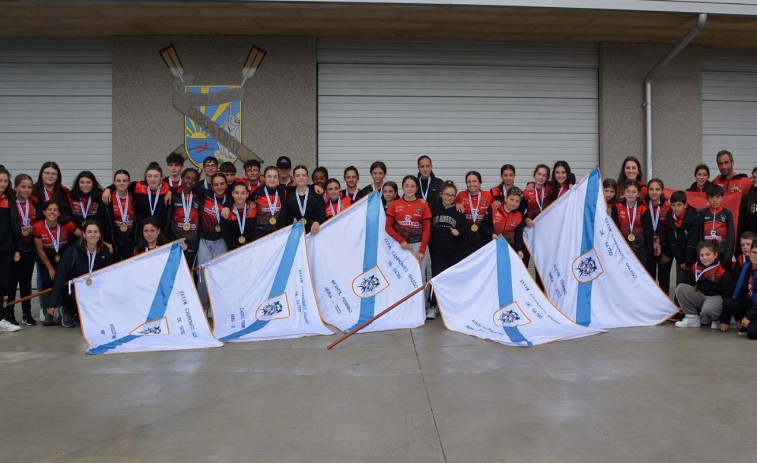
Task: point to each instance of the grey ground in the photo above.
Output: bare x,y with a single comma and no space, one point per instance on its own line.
655,394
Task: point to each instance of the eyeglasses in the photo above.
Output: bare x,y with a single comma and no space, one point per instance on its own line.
448,195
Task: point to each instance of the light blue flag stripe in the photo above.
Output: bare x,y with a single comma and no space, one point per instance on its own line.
505,288
583,302
159,302
370,254
279,281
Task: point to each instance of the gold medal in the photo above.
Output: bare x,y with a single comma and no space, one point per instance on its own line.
272,221
303,221
474,228
89,281
124,228
186,226
631,237
24,232
57,258
218,229
241,240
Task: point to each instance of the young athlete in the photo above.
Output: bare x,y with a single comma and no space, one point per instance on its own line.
239,226
9,246
120,217
506,220
319,176
51,238
536,197
659,261
284,166
499,192
744,295
229,170
174,163
150,236
630,171
49,187
185,213
716,224
702,303
89,255
209,169
85,202
150,196
211,237
429,186
682,228
252,175
389,193
23,268
474,203
269,200
378,172
562,180
303,204
351,177
634,224
335,203
701,178
610,190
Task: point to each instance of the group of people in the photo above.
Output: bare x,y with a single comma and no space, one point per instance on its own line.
71,232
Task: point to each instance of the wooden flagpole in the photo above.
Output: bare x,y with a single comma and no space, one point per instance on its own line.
377,316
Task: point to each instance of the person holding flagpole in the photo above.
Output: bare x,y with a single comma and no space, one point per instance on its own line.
239,226
303,204
89,255
474,203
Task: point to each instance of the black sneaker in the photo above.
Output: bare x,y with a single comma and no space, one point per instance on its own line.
28,320
12,320
742,331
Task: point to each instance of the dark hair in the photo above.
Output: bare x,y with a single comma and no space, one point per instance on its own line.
750,198
236,184
506,167
251,163
20,178
379,165
542,166
515,191
298,167
269,168
748,235
86,224
175,158
210,159
153,166
410,177
662,187
701,167
554,189
228,167
713,190
151,220
190,169
9,191
122,171
611,183
349,169
393,185
445,185
49,203
322,169
76,192
333,180
622,179
724,153
631,183
219,175
712,245
59,194
422,157
474,173
679,197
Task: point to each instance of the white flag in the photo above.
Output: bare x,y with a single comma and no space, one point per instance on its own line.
146,303
263,290
359,270
588,270
491,295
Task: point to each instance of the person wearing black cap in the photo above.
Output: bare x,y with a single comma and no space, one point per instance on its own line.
284,164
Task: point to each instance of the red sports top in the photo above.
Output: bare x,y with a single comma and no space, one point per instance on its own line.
409,221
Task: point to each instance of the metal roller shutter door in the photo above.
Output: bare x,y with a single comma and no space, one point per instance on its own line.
729,106
469,105
55,105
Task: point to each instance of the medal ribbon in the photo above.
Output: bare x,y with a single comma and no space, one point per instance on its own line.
474,211
124,211
215,208
698,275
23,213
91,260
84,211
338,207
271,207
424,194
150,202
655,216
302,205
243,220
186,206
56,240
631,221
540,202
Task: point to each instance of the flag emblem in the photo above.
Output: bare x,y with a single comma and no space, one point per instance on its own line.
587,267
369,283
510,316
275,308
152,328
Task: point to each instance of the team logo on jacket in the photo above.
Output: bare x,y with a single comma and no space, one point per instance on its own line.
275,308
369,283
587,266
510,316
152,328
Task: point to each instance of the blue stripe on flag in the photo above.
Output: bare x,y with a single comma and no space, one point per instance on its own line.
505,288
159,302
279,281
583,302
370,254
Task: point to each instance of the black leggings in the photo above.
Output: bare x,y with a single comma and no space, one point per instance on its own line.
21,278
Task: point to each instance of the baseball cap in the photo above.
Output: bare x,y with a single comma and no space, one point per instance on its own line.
284,163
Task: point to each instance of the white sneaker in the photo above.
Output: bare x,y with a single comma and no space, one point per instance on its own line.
715,325
7,326
689,321
430,313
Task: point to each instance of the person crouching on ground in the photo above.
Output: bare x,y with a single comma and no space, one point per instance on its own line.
702,303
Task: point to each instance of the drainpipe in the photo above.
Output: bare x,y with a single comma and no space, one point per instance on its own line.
648,84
